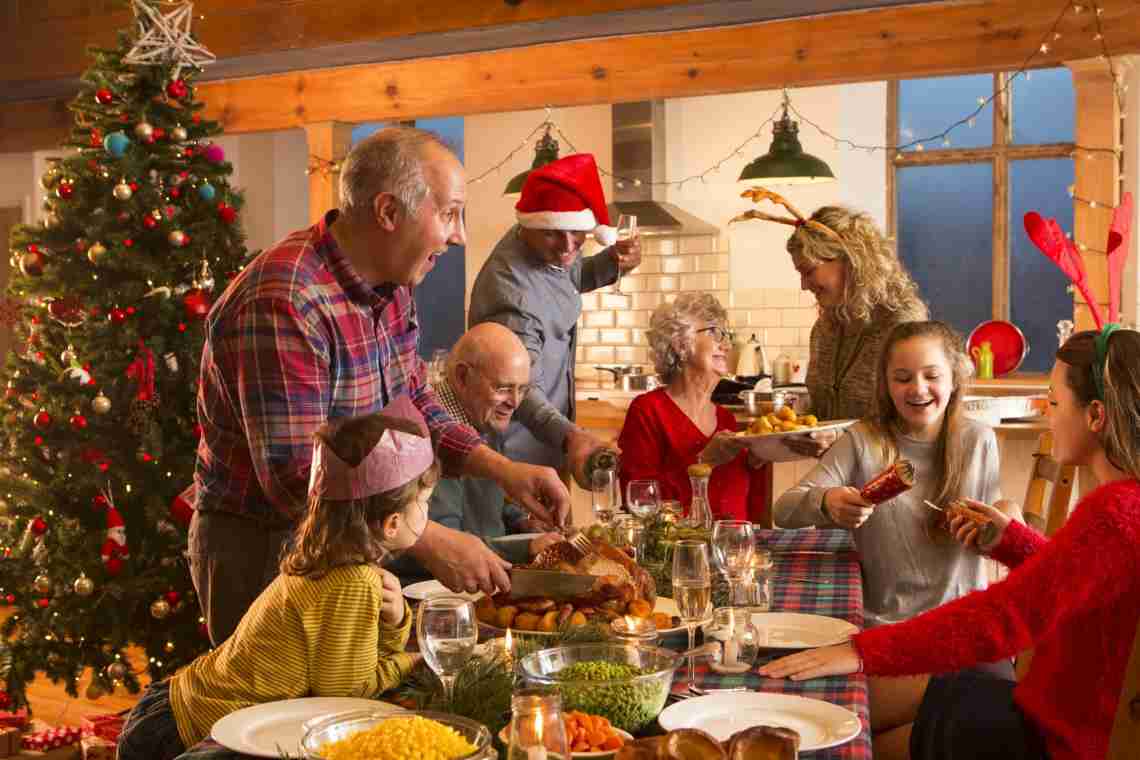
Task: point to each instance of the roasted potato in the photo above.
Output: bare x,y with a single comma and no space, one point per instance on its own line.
527,621
639,608
549,622
809,419
578,618
486,611
505,616
661,620
538,604
787,413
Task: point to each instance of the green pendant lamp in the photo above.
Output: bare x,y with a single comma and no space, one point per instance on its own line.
785,163
545,151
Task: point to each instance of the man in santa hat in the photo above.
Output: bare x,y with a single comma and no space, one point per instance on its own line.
532,283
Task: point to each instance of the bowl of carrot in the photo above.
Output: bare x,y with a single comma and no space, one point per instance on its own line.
590,736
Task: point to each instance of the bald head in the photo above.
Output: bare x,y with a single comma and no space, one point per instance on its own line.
489,370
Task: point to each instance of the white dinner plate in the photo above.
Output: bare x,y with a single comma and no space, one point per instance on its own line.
770,446
510,538
820,724
663,604
424,589
268,729
794,630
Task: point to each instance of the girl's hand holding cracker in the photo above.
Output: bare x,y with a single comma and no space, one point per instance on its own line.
392,608
969,531
846,508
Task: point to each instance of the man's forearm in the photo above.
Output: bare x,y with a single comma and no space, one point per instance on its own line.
428,539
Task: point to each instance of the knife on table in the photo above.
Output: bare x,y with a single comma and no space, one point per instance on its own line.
550,583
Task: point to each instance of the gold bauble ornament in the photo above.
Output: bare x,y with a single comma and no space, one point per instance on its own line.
101,404
96,252
42,584
178,134
159,609
123,191
84,586
168,647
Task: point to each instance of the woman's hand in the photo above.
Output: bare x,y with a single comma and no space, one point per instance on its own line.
846,507
838,660
722,448
812,445
392,607
968,533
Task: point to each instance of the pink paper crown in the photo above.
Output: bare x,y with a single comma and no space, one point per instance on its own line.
398,458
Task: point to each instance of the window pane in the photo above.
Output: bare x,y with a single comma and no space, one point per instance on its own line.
928,106
1043,106
1037,288
946,239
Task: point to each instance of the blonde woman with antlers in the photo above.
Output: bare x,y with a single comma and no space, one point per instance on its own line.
862,291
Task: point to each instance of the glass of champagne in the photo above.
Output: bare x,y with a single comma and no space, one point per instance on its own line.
537,730
605,490
643,497
626,230
447,633
692,588
733,546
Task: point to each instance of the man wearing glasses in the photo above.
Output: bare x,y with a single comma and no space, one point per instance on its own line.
486,377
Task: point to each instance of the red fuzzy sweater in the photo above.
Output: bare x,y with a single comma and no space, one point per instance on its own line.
1074,599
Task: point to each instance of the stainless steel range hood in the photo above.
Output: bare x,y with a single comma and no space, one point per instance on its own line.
639,154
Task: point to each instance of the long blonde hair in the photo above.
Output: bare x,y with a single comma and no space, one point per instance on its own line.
885,424
337,532
1121,435
875,278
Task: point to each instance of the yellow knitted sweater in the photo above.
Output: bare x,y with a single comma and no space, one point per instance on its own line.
302,637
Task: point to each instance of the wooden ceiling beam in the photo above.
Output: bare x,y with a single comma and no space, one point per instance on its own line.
894,43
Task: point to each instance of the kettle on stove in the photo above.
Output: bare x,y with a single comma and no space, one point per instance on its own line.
752,360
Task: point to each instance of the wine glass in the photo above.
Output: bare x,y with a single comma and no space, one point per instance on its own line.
447,633
537,729
605,490
733,545
626,230
643,497
692,588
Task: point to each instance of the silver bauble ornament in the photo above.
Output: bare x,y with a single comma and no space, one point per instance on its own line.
117,671
49,179
42,584
177,238
40,554
171,361
84,586
50,220
101,404
178,134
144,131
168,647
68,355
96,252
159,609
123,191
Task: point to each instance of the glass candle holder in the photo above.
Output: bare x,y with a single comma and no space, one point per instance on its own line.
537,730
634,630
740,639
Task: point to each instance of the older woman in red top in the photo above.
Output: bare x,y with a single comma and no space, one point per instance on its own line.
677,425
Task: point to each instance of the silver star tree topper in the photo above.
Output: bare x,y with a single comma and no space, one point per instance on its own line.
165,38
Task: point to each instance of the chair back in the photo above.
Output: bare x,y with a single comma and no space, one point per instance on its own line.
1046,471
1126,727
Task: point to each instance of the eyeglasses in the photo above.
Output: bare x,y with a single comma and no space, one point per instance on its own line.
504,391
718,333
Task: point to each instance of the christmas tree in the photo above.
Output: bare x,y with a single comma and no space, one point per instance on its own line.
106,306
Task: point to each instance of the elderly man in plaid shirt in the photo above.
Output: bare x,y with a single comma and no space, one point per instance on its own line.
323,325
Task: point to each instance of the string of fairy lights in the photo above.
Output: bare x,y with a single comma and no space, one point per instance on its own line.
548,125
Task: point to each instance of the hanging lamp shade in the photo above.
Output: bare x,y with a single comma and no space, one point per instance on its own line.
785,163
545,151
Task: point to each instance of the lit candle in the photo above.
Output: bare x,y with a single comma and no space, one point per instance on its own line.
634,629
509,650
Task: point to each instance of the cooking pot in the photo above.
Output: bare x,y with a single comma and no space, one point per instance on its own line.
760,403
630,377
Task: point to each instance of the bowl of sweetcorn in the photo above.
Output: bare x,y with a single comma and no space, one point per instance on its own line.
372,735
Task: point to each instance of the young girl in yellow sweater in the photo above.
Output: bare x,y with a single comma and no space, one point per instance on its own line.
333,623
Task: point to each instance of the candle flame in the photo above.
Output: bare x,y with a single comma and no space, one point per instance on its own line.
508,641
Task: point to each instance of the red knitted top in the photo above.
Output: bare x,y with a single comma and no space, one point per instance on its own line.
1074,599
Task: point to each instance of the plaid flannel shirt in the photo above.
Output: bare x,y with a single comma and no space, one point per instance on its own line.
296,339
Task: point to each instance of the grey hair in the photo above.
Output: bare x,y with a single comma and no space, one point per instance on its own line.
389,161
671,332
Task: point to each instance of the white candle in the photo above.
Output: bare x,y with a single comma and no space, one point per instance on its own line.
536,753
731,652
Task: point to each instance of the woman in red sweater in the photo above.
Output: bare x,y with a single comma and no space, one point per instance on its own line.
677,425
1074,599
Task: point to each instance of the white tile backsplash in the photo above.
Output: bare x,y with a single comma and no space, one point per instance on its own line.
799,317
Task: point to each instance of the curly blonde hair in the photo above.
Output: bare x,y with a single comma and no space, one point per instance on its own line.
876,279
671,332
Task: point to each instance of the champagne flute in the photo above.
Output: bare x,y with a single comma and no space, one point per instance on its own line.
643,498
604,488
447,634
537,729
733,546
692,588
626,230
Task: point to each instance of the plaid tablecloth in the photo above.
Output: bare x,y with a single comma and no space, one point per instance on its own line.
839,595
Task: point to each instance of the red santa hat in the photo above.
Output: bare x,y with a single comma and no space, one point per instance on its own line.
566,195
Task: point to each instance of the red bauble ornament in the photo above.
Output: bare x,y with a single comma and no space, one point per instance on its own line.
99,502
134,186
65,189
78,421
11,392
96,138
228,214
175,192
42,419
128,242
43,603
67,310
10,599
103,96
197,303
173,597
181,327
159,133
39,527
32,264
150,222
177,89
188,153
118,316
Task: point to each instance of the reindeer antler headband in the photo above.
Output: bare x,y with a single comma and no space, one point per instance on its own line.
757,194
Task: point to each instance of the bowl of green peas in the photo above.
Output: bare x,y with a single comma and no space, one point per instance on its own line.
626,683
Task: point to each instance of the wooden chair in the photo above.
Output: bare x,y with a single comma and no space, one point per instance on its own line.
1126,727
1046,470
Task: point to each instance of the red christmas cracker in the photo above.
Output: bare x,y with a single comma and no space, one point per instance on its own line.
52,738
14,718
889,483
97,748
105,726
